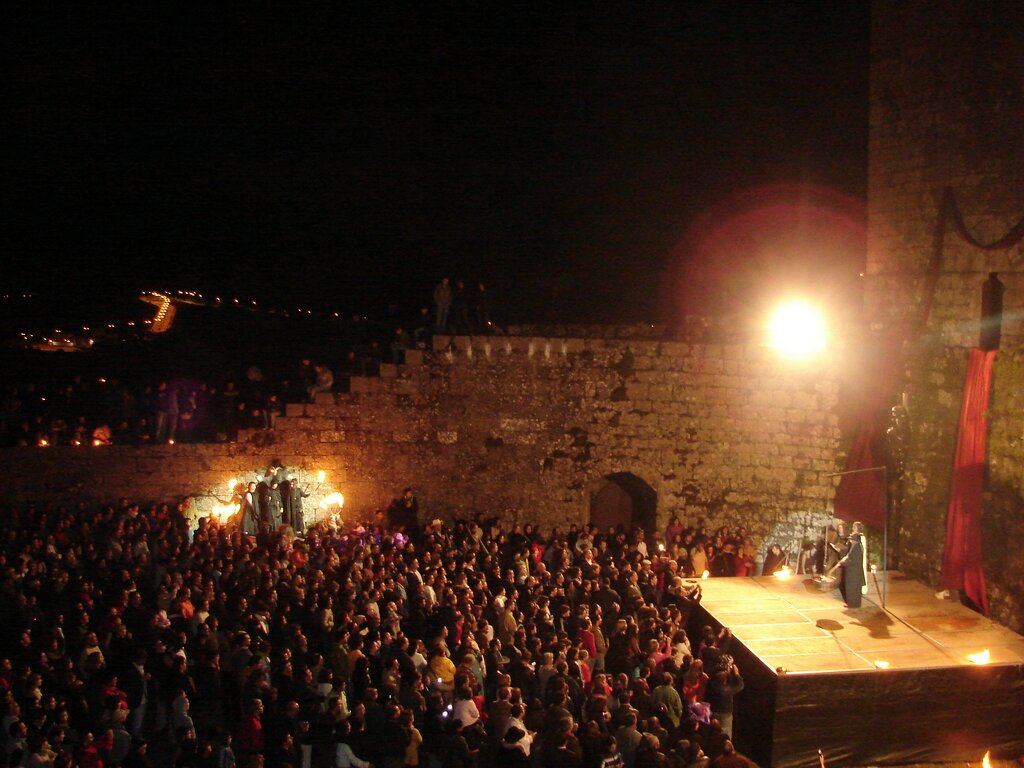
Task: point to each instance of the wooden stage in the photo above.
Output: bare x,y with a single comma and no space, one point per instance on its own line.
867,685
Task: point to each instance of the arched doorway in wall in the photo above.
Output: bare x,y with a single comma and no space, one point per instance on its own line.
623,498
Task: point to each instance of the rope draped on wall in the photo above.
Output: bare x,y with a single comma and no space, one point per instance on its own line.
951,217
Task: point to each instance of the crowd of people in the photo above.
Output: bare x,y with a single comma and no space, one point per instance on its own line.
97,412
136,636
101,411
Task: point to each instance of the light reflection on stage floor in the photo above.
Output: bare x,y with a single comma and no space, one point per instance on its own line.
794,625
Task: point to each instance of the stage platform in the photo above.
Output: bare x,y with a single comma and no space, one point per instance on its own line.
867,686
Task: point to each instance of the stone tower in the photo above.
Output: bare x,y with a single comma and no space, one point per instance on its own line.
946,209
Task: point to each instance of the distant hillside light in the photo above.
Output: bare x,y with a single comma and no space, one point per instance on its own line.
797,330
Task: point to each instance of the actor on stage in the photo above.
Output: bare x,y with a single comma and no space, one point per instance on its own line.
836,539
774,560
854,576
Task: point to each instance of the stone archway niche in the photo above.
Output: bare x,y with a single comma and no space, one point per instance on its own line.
624,499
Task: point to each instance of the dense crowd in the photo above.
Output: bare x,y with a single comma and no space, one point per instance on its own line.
133,637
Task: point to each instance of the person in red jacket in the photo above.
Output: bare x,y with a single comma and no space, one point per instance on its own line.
93,750
250,732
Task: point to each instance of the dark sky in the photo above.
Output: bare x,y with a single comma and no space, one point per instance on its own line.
575,158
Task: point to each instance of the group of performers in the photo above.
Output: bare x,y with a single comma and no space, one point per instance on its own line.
273,501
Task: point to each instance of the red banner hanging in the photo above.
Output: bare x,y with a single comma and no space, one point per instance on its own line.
961,559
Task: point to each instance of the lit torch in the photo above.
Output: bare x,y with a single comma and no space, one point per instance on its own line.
332,505
224,512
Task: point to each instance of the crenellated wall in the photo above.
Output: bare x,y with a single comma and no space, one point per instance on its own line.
526,428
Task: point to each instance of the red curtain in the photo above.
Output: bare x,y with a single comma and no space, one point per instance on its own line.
861,496
961,560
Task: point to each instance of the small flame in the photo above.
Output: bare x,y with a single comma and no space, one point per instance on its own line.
705,575
232,484
783,573
985,762
43,442
223,512
661,547
981,657
322,476
333,500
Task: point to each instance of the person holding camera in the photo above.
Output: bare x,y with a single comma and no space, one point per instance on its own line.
723,686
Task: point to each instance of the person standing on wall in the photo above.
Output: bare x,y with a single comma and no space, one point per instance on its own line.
853,577
443,303
250,510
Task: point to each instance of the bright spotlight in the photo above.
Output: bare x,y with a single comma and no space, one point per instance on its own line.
797,330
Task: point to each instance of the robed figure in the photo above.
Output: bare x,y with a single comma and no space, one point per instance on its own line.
403,512
275,506
292,495
250,510
853,577
774,560
836,541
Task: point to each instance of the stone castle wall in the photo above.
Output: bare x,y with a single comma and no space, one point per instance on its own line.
947,123
524,428
947,94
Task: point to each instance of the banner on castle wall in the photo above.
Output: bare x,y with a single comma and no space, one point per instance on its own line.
961,559
861,492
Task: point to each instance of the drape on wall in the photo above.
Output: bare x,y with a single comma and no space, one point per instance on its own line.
961,559
862,496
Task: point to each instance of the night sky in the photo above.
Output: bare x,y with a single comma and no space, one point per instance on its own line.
588,162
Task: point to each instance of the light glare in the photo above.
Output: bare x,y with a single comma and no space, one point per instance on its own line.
797,330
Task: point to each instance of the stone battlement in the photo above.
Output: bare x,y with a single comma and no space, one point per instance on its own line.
530,429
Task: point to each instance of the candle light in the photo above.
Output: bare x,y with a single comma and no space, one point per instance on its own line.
322,476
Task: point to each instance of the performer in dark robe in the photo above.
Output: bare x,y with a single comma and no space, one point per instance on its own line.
773,560
263,502
250,510
853,577
293,506
403,513
275,506
836,540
